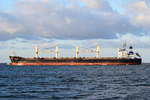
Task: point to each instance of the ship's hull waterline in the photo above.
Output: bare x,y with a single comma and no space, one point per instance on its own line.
20,61
70,64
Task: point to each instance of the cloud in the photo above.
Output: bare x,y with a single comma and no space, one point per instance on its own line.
139,14
141,41
101,4
9,27
66,19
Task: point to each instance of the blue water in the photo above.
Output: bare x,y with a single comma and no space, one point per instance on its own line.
75,82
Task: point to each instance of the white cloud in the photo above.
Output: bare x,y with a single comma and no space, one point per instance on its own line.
9,28
139,11
7,25
95,3
53,19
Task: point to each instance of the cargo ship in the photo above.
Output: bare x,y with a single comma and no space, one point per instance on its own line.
124,57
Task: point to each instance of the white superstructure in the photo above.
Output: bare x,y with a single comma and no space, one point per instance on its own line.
124,53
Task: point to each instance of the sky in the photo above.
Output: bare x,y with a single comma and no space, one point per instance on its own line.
25,24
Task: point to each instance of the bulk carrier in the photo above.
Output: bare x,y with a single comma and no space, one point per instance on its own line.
124,57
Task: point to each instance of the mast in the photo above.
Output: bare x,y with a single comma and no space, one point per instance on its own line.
36,52
13,53
124,45
56,52
97,51
77,52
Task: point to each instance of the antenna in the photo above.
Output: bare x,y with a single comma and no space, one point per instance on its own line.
77,51
97,51
124,45
56,52
13,53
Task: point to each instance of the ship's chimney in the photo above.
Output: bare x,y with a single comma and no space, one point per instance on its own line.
56,52
77,52
97,51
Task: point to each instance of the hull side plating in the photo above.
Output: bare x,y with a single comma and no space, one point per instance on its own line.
20,61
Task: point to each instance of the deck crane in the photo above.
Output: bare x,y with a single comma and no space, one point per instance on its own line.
97,51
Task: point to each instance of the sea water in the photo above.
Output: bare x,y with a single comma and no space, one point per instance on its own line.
75,82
